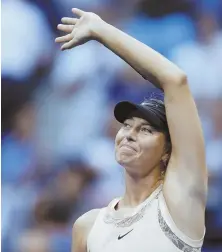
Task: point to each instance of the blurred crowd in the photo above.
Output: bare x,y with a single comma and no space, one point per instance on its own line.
58,128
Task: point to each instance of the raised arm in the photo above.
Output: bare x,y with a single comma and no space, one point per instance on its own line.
186,179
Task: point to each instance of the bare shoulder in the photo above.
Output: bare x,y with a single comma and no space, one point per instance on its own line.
87,220
81,229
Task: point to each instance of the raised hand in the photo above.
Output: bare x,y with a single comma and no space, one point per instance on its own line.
80,30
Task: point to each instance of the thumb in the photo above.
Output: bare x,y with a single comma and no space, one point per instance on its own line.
78,12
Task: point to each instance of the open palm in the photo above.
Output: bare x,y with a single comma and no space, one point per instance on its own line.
80,30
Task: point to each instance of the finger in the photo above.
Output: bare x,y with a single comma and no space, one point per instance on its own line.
63,39
78,12
70,44
65,28
69,21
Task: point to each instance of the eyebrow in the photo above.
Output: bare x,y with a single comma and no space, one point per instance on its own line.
142,123
145,124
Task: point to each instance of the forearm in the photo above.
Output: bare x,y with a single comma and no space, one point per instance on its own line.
146,61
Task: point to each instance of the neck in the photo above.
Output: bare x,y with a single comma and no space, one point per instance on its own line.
140,188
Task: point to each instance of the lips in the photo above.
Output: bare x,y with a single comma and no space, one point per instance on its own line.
130,147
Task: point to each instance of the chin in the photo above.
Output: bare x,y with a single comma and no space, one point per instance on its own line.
125,160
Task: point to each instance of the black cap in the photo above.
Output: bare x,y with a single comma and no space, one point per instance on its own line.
152,110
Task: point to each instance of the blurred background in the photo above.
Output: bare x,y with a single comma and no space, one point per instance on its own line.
58,127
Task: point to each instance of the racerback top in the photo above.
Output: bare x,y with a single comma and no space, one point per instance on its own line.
149,228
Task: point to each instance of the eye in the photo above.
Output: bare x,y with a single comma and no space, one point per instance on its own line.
146,130
126,125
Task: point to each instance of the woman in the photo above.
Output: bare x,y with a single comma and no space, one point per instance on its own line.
162,151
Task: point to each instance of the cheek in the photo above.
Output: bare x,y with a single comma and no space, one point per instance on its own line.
152,146
119,138
119,155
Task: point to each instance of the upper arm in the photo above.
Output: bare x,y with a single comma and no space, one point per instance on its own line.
185,182
81,229
78,238
188,150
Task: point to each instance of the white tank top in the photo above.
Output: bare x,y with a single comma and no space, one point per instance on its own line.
149,228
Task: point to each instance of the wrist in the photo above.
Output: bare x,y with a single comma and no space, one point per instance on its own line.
99,30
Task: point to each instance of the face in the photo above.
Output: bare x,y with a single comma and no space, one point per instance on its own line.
138,146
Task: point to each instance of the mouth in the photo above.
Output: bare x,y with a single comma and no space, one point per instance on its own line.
129,147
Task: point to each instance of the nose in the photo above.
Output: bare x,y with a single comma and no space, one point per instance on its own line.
131,135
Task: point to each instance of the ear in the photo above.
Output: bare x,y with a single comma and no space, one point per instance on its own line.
166,153
165,158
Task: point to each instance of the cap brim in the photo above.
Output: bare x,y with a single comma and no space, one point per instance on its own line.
125,109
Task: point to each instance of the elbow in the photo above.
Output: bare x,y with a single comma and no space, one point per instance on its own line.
182,79
179,79
168,80
174,80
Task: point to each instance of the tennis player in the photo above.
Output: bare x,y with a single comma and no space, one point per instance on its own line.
161,148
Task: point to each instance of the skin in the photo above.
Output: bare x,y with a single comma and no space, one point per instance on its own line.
186,177
139,149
